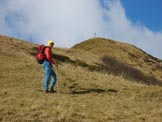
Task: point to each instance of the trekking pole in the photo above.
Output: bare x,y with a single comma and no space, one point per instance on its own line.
57,84
42,87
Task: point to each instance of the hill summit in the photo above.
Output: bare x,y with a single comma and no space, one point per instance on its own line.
118,54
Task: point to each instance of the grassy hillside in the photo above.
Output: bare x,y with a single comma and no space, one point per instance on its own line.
87,92
124,56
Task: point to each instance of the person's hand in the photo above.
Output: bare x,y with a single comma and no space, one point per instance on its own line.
56,65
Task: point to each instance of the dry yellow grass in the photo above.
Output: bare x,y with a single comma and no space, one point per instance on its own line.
125,53
84,96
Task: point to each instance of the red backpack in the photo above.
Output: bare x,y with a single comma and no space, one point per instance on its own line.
41,56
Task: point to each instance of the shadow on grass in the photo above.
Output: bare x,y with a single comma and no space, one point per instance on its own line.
87,91
111,66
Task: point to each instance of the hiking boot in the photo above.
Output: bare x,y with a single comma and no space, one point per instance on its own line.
52,91
46,91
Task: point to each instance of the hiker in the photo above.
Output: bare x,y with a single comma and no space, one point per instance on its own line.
49,72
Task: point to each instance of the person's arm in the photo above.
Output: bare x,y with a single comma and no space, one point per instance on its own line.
48,56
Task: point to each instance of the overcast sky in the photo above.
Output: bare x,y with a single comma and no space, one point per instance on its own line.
71,21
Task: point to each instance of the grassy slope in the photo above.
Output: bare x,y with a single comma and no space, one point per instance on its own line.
84,96
125,53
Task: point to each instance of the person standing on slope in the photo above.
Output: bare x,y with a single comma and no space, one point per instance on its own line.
49,72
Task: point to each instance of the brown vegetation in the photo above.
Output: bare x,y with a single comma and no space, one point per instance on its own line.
91,88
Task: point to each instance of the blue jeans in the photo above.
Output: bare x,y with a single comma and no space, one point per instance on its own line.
48,74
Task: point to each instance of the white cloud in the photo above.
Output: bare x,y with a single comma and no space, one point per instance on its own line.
66,21
124,30
71,21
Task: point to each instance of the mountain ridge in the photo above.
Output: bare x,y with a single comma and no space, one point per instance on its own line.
124,53
100,54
